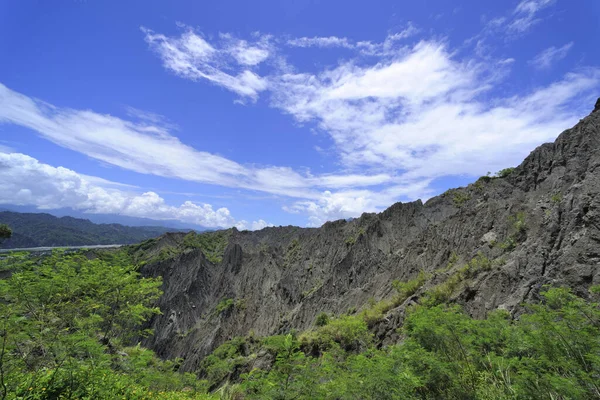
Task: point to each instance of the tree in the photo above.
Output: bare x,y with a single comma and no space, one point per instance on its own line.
5,232
63,318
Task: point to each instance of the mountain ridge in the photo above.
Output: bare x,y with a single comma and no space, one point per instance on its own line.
105,218
46,230
536,224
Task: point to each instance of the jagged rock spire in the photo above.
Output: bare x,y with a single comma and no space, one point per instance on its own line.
597,107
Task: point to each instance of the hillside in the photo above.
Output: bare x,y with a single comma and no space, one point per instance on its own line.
41,230
491,245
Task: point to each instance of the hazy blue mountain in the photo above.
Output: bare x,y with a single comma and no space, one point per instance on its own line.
40,230
106,218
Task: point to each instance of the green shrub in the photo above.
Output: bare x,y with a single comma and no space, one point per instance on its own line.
407,289
556,198
212,244
5,232
349,332
224,360
322,319
503,173
517,231
460,198
442,292
224,306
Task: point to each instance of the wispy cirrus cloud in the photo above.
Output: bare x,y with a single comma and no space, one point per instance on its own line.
321,41
549,56
526,15
519,20
150,148
191,56
363,47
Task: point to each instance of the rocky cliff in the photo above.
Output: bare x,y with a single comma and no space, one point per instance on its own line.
537,224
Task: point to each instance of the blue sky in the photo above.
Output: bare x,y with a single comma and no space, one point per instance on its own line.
249,114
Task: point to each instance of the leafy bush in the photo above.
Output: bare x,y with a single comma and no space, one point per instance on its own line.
66,322
224,360
503,173
322,319
407,289
550,352
224,306
212,244
349,332
556,198
442,292
518,231
460,198
5,232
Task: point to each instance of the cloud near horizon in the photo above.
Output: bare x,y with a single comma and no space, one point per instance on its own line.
400,113
26,181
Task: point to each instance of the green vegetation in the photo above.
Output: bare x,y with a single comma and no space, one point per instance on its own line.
352,239
322,319
226,305
407,289
460,198
224,361
517,233
556,198
292,254
550,352
212,244
318,285
442,292
5,232
69,327
66,330
503,173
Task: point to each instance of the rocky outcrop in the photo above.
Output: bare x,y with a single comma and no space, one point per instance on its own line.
540,224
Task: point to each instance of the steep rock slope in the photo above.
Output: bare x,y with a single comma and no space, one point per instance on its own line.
537,224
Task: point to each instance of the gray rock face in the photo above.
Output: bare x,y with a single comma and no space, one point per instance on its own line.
541,223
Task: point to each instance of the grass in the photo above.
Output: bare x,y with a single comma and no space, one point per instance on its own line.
212,244
556,198
352,239
442,292
460,198
292,253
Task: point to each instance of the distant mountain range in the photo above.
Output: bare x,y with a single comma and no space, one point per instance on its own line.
45,230
106,218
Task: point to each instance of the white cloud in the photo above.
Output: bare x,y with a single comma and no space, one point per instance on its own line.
191,56
423,116
422,74
26,181
387,47
151,149
254,226
525,14
352,203
330,41
245,53
549,56
399,117
514,24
